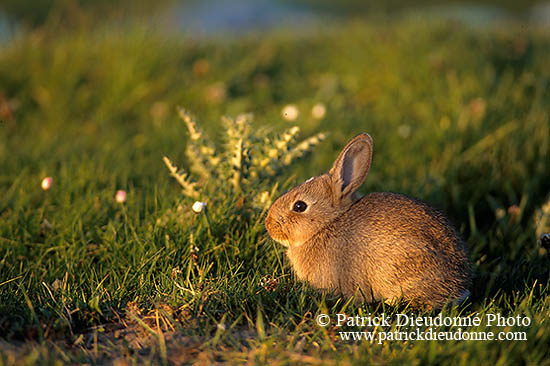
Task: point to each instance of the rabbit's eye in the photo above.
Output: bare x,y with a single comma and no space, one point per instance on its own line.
299,206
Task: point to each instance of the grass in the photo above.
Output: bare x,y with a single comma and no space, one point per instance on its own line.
460,118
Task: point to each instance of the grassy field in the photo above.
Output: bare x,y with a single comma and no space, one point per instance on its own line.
460,119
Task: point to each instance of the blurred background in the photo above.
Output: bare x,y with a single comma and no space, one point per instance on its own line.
101,76
238,16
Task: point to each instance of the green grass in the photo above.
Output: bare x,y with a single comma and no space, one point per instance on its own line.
459,119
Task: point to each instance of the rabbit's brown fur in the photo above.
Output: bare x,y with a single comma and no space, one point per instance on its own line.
382,247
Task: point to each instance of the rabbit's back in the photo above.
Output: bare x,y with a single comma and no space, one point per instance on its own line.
405,248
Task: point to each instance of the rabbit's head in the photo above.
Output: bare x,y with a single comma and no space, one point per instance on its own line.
303,211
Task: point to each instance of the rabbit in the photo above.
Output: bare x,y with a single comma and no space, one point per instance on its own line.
379,248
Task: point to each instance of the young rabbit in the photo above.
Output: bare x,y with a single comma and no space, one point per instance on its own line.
382,247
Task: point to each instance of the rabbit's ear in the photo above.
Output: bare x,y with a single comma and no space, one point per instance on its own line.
351,167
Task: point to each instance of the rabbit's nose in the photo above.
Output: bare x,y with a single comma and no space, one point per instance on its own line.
271,223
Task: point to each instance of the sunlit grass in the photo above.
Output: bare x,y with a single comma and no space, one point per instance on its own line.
459,119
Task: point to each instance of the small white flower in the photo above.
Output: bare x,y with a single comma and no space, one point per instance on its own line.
318,111
45,225
175,272
47,183
198,206
290,112
57,285
404,131
120,196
